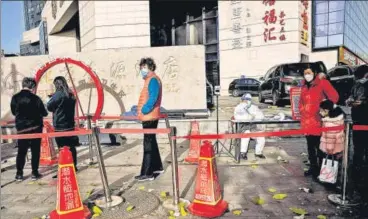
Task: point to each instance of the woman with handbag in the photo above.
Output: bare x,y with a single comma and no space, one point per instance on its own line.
332,142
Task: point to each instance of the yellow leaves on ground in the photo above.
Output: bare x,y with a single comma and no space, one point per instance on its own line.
272,190
254,166
299,211
130,208
237,212
96,210
279,196
163,194
258,200
141,187
321,217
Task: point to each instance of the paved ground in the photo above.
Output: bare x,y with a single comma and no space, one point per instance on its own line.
240,183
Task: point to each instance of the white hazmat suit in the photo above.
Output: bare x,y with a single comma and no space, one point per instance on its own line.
250,112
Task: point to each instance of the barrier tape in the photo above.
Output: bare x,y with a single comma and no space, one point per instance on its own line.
135,131
47,135
360,127
262,134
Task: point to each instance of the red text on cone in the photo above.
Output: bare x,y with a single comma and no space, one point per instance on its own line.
69,203
207,197
48,154
194,144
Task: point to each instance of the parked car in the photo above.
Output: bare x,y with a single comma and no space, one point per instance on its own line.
241,86
342,79
278,81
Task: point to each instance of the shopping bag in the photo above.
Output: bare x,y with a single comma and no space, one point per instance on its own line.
329,171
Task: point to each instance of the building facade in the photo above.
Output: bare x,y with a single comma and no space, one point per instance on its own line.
30,44
340,27
242,38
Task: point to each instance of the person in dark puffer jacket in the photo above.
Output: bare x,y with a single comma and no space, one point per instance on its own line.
29,111
62,105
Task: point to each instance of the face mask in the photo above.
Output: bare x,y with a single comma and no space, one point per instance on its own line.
144,72
248,104
308,77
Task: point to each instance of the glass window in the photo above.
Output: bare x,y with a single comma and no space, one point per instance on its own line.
321,7
321,19
339,72
277,72
321,30
335,28
334,17
336,5
335,40
320,42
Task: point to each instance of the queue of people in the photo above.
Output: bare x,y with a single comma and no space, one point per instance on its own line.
29,111
318,109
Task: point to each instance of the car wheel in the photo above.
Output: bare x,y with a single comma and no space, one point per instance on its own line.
275,98
236,93
260,97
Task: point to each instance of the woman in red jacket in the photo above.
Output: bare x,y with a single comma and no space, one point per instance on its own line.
314,90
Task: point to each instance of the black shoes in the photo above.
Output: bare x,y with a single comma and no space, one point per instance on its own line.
144,178
260,156
36,176
244,156
19,177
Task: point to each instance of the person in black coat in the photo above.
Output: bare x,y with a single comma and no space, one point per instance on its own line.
29,111
62,105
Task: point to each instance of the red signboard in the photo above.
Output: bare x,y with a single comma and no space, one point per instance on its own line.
294,100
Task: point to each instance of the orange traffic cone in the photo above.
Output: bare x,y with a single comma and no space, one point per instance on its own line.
48,155
194,144
69,203
207,197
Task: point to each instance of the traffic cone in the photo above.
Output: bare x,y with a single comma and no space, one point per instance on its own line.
208,200
69,203
48,154
194,144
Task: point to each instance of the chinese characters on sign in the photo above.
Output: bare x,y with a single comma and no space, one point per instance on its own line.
304,17
236,26
204,184
170,75
271,19
70,194
248,42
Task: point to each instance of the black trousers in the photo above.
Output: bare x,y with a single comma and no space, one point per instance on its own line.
71,142
360,163
151,154
315,155
34,145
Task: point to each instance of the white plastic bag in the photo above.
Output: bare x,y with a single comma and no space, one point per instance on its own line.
329,171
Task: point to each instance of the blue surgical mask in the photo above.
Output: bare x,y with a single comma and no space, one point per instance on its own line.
144,72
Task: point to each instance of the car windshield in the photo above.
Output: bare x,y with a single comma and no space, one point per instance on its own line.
297,69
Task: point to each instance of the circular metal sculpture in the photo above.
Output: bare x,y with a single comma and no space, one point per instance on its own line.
100,95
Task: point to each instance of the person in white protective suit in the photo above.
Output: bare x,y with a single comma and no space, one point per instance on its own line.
247,111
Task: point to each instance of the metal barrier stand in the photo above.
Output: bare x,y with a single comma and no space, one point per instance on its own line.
90,146
109,200
341,199
174,166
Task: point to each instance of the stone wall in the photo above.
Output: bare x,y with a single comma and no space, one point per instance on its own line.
181,69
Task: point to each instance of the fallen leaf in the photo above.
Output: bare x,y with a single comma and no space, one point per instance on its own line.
129,208
258,201
96,210
299,217
42,183
272,190
279,196
254,166
237,212
321,216
31,183
183,212
141,187
171,217
171,213
89,192
298,211
163,194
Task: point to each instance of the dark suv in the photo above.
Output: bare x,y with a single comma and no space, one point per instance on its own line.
241,86
278,81
342,79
